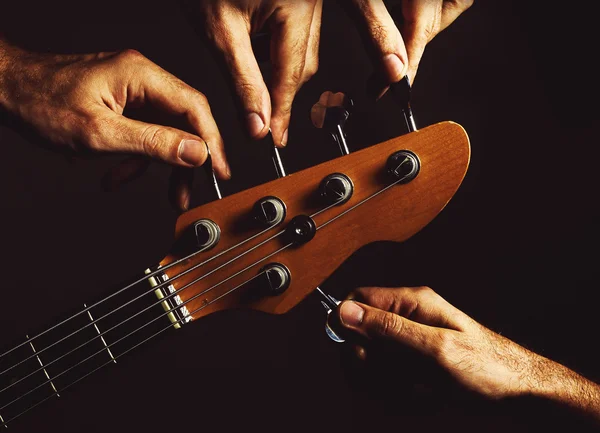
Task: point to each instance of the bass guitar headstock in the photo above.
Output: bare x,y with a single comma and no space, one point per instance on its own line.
268,247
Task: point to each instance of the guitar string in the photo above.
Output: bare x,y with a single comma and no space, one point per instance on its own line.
157,287
159,301
143,326
127,287
172,294
153,289
194,297
5,423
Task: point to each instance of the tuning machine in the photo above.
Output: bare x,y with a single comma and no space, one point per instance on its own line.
275,156
401,94
210,173
330,304
331,112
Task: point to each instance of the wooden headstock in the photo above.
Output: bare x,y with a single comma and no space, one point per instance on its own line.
215,279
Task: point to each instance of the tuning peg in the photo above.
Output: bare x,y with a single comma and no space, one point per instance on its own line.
210,172
331,113
275,156
401,93
330,303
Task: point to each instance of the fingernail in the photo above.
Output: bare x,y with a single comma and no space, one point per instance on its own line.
227,170
351,314
255,124
192,152
394,67
284,138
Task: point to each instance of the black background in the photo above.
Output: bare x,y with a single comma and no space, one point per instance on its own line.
515,248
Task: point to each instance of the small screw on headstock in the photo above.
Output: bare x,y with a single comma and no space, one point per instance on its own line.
331,112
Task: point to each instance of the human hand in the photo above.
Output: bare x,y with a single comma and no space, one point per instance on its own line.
77,102
397,50
476,357
295,28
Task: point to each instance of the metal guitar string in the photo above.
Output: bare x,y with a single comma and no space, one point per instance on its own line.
5,423
172,294
144,278
158,286
150,322
192,298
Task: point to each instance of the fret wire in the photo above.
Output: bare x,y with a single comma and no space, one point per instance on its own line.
158,302
5,423
172,294
100,335
153,289
143,326
144,278
42,367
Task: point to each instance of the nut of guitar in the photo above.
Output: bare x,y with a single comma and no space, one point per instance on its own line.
377,204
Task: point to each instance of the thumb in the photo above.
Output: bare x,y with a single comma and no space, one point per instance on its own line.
118,134
374,323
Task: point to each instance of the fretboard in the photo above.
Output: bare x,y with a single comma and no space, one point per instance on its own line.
43,365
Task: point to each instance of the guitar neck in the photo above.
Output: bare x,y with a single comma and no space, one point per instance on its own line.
43,365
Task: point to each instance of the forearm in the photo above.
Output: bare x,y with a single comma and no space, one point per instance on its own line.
558,383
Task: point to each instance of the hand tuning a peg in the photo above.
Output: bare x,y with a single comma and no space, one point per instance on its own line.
331,113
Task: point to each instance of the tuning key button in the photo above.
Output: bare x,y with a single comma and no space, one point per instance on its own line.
207,233
337,188
269,211
277,278
403,165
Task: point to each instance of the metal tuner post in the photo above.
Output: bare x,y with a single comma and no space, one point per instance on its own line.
401,94
331,112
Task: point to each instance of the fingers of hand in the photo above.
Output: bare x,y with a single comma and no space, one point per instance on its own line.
421,22
291,28
420,304
163,90
451,11
228,31
382,40
374,323
111,132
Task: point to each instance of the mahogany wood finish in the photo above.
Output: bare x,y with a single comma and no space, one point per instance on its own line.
395,215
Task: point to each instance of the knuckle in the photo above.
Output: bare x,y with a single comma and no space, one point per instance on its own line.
153,140
425,290
250,92
131,55
200,98
426,294
390,325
